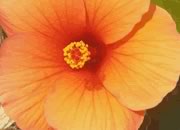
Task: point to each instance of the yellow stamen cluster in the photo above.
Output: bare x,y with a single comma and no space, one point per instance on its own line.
83,55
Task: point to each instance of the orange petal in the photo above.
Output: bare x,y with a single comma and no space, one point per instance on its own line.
28,71
47,17
143,70
72,106
113,19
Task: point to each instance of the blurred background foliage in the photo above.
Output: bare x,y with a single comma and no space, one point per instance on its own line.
165,116
173,7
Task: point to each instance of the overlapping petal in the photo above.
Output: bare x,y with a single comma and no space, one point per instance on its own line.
111,20
30,71
114,19
79,103
143,70
29,67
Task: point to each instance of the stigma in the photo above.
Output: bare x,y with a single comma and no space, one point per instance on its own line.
76,54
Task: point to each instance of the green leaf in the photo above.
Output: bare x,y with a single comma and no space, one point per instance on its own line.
173,7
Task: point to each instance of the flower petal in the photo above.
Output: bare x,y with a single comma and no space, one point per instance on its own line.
47,17
143,70
72,105
28,70
113,19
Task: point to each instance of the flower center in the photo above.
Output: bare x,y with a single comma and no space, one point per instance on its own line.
76,54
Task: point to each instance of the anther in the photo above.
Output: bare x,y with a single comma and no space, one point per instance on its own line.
76,54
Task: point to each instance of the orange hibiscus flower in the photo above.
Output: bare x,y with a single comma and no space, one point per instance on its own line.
85,64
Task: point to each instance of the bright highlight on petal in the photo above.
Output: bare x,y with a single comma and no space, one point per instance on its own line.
76,54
